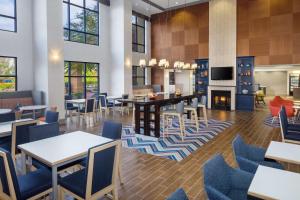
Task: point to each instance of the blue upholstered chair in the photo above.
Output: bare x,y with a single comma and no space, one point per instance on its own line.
193,109
223,182
43,131
98,177
69,107
178,195
89,109
7,117
249,157
104,104
33,185
51,116
112,130
289,132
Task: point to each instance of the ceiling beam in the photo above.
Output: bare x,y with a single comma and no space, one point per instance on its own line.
154,5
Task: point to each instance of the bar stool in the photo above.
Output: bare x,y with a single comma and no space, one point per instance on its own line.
193,109
202,106
178,112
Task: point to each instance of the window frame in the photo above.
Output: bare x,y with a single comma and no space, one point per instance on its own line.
136,32
82,76
135,77
69,4
11,17
16,71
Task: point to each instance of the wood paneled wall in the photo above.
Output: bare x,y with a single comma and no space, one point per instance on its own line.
181,34
269,30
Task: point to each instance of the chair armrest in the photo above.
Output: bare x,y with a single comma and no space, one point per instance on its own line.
247,165
241,179
214,194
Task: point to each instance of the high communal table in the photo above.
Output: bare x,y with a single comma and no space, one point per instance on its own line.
271,183
145,105
60,150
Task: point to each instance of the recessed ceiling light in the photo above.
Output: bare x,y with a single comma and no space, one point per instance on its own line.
176,2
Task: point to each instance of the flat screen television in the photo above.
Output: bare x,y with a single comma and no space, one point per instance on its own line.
222,73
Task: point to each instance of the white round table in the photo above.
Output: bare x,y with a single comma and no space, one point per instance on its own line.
4,110
33,108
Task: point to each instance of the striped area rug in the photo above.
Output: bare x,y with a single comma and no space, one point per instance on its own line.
276,123
172,147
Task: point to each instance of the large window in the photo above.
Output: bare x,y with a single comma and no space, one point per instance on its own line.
138,34
81,21
8,74
8,15
81,79
138,76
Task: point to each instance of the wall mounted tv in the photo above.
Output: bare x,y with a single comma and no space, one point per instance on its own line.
222,73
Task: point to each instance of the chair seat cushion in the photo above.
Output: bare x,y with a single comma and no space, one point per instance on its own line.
4,140
74,183
34,183
292,136
6,146
237,194
39,165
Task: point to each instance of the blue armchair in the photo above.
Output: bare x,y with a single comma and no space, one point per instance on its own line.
51,116
223,182
249,157
178,195
112,130
32,185
289,132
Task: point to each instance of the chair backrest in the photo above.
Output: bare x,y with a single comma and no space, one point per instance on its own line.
112,130
103,101
178,195
283,122
8,177
20,134
101,169
180,107
43,131
125,96
68,105
7,117
51,116
217,174
90,105
156,88
203,100
240,148
195,102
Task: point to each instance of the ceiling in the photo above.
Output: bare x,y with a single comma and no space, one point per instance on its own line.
146,9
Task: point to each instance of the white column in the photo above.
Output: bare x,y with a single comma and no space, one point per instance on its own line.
121,47
48,51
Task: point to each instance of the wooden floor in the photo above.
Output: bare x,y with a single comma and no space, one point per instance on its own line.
151,177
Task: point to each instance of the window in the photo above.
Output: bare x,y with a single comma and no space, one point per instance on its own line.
8,15
81,21
138,76
81,79
8,74
138,34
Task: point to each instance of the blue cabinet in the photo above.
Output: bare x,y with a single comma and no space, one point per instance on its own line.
245,83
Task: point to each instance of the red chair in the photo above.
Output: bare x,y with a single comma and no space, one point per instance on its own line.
276,104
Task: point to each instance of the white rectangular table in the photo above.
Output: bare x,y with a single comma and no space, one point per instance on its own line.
285,152
61,150
6,127
270,183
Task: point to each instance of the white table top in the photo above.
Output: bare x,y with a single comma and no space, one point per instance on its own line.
33,107
80,101
285,152
113,97
270,183
5,127
62,148
4,110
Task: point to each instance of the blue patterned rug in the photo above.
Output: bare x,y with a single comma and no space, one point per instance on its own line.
172,147
276,123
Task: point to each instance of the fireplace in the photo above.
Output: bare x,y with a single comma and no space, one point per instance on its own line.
220,100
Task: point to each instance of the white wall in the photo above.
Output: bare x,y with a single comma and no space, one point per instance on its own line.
184,81
277,85
20,45
90,53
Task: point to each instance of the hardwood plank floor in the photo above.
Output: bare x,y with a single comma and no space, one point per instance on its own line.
153,178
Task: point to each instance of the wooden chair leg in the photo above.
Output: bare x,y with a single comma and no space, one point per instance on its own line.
61,193
119,174
163,126
196,120
115,193
205,116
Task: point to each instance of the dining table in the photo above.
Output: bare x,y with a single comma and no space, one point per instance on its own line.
60,150
33,108
5,110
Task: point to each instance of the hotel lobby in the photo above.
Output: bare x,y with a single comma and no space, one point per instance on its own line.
149,99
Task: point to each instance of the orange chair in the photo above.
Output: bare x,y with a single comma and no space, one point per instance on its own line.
275,106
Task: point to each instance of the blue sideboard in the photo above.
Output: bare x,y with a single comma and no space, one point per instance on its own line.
245,95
